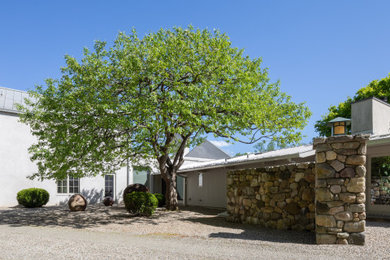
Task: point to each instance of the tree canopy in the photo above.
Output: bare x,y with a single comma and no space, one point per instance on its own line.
377,88
151,98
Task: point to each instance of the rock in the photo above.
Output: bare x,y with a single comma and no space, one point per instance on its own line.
308,194
344,216
325,239
359,208
335,189
342,241
355,226
357,238
347,173
357,185
108,201
335,210
322,208
335,203
324,171
341,158
325,221
77,203
343,235
348,197
361,171
351,145
335,181
337,165
247,202
356,160
321,183
362,149
323,194
299,176
293,208
330,155
320,157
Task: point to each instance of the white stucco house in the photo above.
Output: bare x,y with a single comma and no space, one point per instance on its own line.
16,166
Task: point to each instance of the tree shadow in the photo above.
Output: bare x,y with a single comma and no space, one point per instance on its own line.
255,232
60,216
378,222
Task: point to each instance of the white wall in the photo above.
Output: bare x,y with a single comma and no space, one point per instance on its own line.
15,166
213,191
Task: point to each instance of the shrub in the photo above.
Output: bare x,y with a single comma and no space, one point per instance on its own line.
33,197
142,203
160,198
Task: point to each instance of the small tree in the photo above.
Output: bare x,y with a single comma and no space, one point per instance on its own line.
152,98
377,88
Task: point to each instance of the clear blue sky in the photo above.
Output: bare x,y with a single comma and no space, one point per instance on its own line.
321,51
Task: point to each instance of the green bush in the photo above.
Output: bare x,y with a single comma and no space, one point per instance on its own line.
33,197
160,198
142,203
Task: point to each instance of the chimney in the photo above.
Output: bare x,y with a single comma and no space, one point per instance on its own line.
370,116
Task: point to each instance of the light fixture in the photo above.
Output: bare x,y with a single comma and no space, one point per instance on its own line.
339,125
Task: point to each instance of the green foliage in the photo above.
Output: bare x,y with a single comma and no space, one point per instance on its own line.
33,197
380,166
379,89
161,199
142,203
152,97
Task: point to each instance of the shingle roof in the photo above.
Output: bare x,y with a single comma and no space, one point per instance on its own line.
9,98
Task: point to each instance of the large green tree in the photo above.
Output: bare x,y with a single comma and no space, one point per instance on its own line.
151,98
376,88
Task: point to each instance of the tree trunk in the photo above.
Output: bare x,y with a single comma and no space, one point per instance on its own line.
171,192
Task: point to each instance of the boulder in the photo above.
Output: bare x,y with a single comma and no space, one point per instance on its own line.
108,201
77,203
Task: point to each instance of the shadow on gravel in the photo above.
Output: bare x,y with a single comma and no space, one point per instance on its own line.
252,232
378,222
61,216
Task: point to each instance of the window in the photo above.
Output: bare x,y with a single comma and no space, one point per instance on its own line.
109,186
200,179
72,183
141,175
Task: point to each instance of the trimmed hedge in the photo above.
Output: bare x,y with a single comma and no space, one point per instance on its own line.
141,203
33,197
161,199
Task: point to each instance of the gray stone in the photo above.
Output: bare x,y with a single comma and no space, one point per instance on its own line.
319,183
324,171
356,159
326,239
358,208
347,173
322,208
320,157
362,149
358,226
335,189
336,203
325,221
330,155
323,194
335,210
335,181
348,197
357,185
344,216
357,238
361,170
343,235
337,165
351,145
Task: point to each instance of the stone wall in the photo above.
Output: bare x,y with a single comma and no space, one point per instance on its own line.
340,189
279,197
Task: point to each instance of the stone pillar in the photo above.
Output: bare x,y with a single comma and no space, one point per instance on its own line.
340,189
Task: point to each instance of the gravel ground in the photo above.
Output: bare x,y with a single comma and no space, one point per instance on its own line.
191,233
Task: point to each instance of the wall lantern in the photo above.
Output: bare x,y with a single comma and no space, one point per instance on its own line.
339,125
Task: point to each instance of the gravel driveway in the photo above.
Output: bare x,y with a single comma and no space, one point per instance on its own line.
191,233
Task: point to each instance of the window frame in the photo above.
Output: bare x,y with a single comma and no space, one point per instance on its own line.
65,186
113,185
